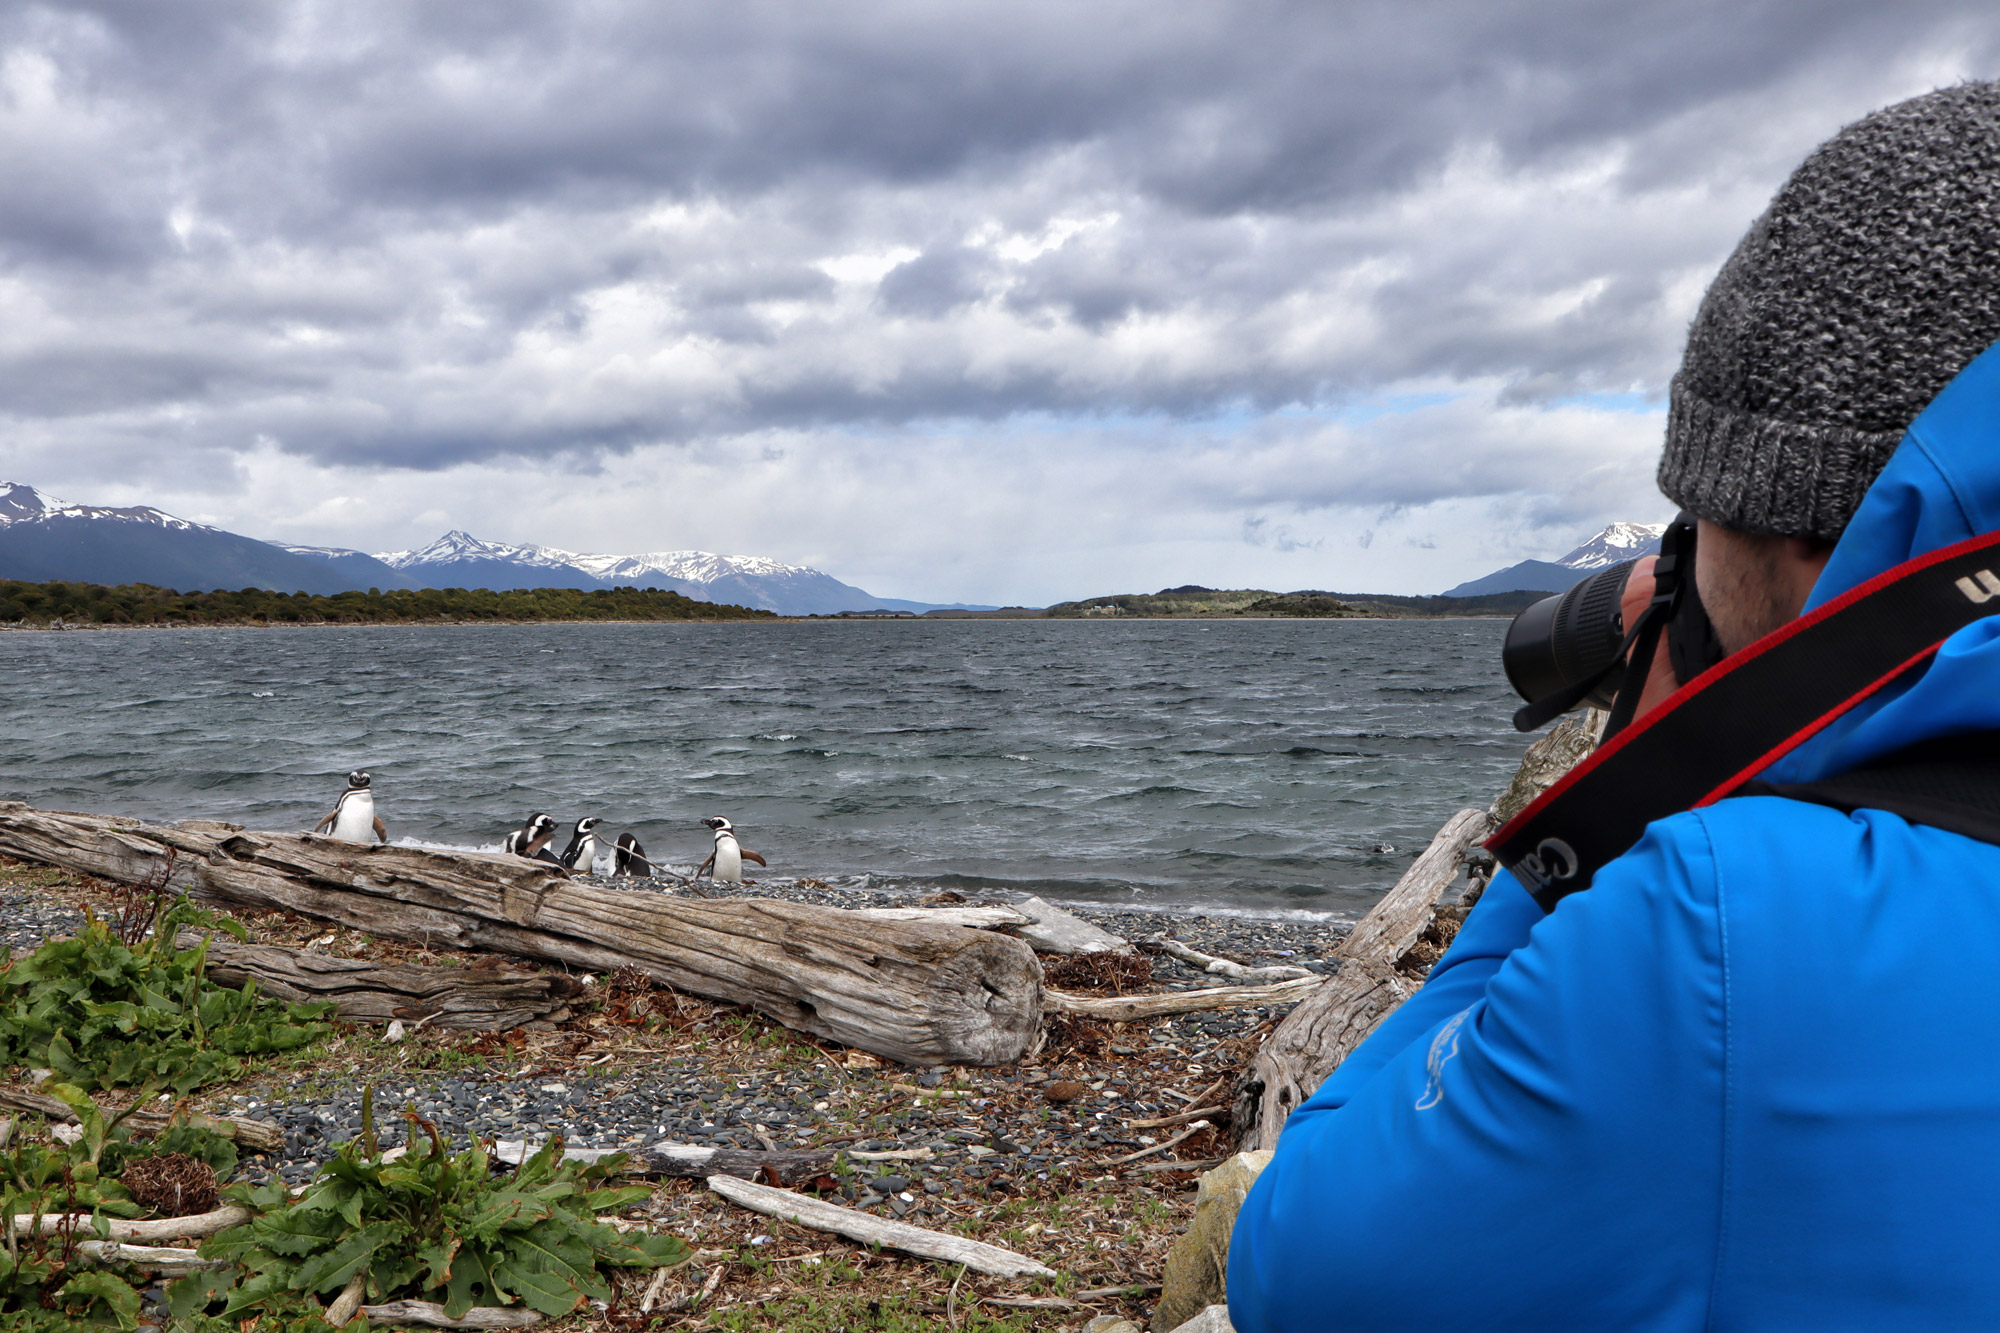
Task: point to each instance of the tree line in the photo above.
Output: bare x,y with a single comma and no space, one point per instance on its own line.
143,604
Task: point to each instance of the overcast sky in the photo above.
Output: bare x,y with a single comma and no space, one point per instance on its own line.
1006,302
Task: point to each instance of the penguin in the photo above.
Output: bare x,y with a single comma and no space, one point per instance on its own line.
584,845
532,840
728,856
630,858
354,816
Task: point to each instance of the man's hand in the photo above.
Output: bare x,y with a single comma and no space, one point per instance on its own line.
1660,681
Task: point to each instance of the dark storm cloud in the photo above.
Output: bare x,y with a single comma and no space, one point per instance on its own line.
422,234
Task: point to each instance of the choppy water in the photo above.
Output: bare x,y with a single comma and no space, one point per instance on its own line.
1245,765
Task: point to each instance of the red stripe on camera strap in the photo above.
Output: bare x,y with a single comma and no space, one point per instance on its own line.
1733,721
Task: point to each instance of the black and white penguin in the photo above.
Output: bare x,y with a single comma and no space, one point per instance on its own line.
728,855
629,858
532,840
584,845
354,817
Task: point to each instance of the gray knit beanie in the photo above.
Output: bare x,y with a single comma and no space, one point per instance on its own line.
1871,280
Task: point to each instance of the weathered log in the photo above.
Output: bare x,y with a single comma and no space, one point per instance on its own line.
900,1236
689,1162
1318,1034
918,993
1125,1008
258,1134
491,997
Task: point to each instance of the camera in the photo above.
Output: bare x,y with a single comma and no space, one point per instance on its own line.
1575,636
1571,649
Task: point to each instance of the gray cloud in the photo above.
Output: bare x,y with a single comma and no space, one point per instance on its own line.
421,237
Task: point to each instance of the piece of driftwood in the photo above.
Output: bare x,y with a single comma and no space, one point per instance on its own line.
258,1134
165,1260
915,992
1567,744
900,1236
1177,1118
431,1313
974,918
1235,971
344,1306
689,1162
1188,1133
1124,1008
488,997
1049,929
1318,1034
145,1229
1374,978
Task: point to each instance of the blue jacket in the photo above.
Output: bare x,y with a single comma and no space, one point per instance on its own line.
1750,1080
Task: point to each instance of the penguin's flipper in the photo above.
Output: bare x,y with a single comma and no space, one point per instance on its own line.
749,855
326,825
544,854
704,865
382,831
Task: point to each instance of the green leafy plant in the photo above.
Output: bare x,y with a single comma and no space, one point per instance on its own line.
43,1288
111,1008
430,1225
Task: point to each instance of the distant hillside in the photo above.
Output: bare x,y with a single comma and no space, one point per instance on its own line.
32,604
1197,603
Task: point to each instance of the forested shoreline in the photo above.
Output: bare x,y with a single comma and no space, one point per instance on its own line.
26,605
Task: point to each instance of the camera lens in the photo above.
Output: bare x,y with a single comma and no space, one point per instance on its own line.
1563,640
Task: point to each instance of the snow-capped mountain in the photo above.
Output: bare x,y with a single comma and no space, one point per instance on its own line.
458,559
1620,541
43,539
25,504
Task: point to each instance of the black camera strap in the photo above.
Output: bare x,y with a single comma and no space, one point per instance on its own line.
1719,731
1951,782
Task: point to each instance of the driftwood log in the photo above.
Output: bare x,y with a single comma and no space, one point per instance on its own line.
260,1135
919,993
1379,964
1317,1035
489,997
900,1236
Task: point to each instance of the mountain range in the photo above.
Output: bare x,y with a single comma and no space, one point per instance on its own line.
1620,541
43,539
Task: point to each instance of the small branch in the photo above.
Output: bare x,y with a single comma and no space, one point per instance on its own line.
1235,971
167,1261
430,1312
258,1134
901,1236
1180,1119
348,1301
1188,1133
164,1228
1127,1007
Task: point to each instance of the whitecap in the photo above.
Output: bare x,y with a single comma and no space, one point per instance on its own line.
262,694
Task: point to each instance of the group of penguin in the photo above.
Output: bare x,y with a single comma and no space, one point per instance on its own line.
353,819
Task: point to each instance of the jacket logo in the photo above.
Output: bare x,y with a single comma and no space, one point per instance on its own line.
1443,1047
1985,590
1552,860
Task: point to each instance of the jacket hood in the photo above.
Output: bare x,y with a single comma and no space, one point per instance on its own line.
1942,485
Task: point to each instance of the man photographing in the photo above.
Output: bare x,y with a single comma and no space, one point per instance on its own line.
1737,1067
